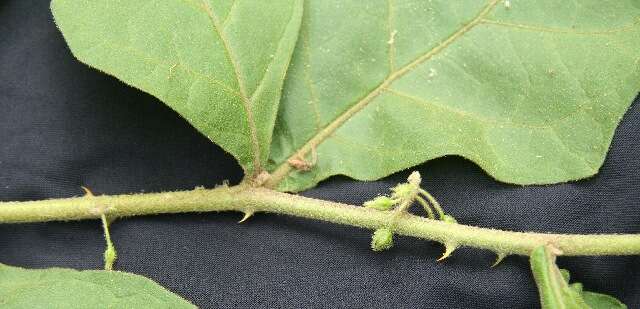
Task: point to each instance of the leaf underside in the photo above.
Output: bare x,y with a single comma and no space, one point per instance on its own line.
531,91
66,288
219,64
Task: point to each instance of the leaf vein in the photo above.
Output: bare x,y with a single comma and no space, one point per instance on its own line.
309,81
231,11
255,144
477,117
149,58
264,75
284,168
624,28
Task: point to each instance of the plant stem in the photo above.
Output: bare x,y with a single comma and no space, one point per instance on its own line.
247,200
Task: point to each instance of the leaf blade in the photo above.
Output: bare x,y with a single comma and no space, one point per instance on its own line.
602,301
446,103
67,288
212,71
554,289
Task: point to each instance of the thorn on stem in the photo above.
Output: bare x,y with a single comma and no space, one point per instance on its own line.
224,184
499,259
448,249
247,215
87,192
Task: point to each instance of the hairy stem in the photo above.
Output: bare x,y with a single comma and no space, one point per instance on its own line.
246,199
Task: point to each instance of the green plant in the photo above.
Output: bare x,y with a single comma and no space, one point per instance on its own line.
526,120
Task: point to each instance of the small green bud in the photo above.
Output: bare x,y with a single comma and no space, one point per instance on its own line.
381,203
449,219
382,239
415,178
110,257
403,191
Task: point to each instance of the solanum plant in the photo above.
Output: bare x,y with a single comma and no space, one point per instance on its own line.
297,91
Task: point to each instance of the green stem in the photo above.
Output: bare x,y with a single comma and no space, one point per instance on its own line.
110,254
426,207
434,203
246,199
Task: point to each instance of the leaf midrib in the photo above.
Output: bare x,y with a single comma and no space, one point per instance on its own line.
284,168
246,103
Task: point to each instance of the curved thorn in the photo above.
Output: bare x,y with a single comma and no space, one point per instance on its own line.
448,250
246,216
87,192
499,259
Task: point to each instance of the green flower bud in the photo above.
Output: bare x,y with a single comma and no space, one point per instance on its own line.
403,191
110,257
382,239
381,203
415,179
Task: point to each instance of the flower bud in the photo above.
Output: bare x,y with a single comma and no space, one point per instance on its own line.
415,178
403,191
110,257
380,203
382,239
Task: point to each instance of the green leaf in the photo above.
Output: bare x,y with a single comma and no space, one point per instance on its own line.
597,300
532,91
219,64
67,288
555,291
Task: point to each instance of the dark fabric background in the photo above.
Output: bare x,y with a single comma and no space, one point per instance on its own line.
63,125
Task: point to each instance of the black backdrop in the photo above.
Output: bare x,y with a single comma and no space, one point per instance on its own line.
63,125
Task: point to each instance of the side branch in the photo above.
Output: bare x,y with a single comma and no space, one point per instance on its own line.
249,200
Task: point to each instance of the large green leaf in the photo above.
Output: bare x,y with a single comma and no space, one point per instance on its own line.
66,288
531,91
555,290
220,64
